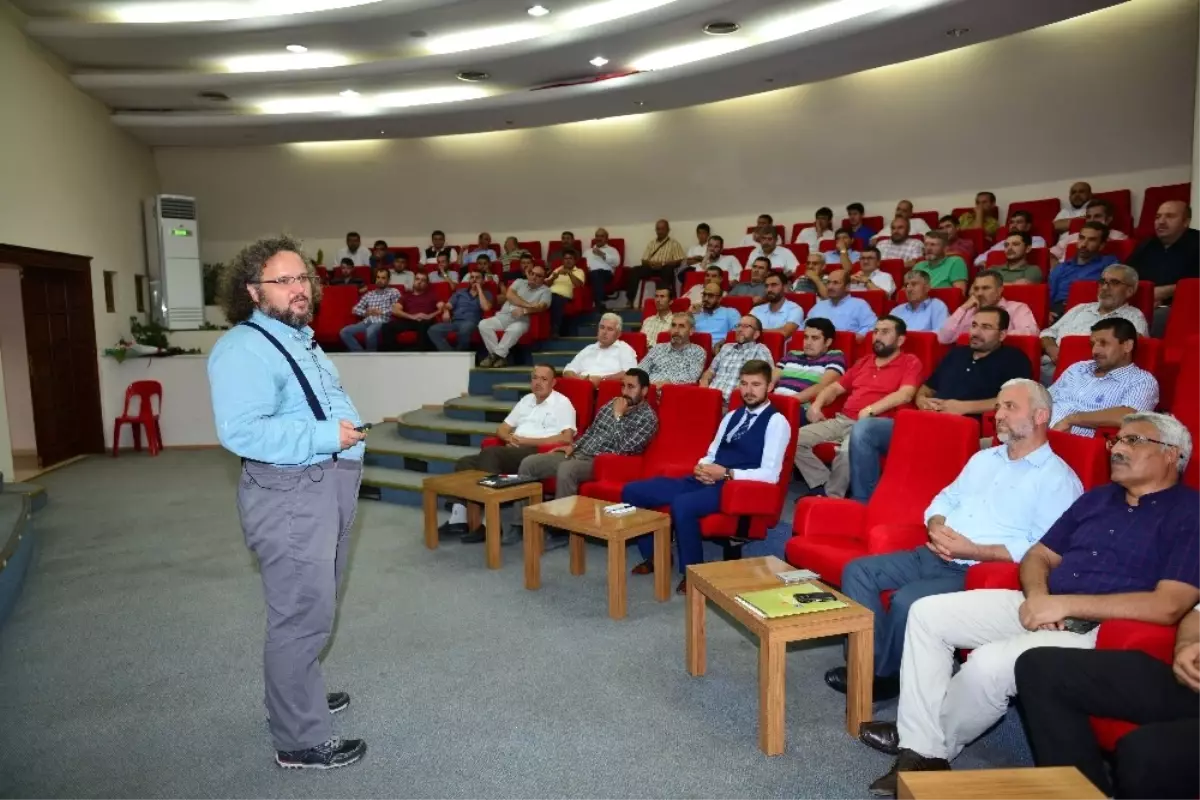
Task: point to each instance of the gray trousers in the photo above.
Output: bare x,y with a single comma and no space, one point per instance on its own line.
297,523
567,472
501,332
835,479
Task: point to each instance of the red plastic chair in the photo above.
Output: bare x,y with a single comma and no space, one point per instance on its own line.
1034,295
637,341
952,297
922,344
1185,405
334,312
148,395
1081,292
800,251
874,223
895,267
1072,349
806,300
740,304
930,217
1043,212
742,254
1181,322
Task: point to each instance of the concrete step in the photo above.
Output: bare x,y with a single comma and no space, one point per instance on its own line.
399,486
434,427
588,331
565,344
481,381
510,391
387,448
482,408
556,358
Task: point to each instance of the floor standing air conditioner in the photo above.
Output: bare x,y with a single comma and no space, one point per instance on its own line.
173,251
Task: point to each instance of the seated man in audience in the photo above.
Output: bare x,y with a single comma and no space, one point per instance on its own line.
483,247
438,247
956,245
660,259
757,285
696,252
1078,196
1098,210
695,295
676,361
462,315
847,313
1087,265
609,357
1100,391
1173,253
373,309
510,254
877,384
749,445
845,250
1117,284
899,244
725,371
713,318
804,373
813,278
359,256
966,382
1062,688
861,234
985,216
1077,576
660,321
443,271
1021,222
381,256
916,225
753,238
543,416
555,249
987,290
520,268
402,273
481,264
344,276
602,259
775,312
1017,270
525,296
780,258
821,230
871,277
1000,505
715,256
415,311
944,270
921,312
564,280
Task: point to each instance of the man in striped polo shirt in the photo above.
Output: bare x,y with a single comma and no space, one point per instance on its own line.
804,373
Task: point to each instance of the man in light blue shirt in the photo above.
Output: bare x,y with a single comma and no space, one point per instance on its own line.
713,318
483,248
998,507
921,312
279,404
776,313
846,312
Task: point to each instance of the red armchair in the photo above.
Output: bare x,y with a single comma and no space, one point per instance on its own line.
927,452
334,312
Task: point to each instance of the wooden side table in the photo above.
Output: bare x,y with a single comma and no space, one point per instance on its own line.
584,516
1032,783
465,486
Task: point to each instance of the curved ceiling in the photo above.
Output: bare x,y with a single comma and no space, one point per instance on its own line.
219,72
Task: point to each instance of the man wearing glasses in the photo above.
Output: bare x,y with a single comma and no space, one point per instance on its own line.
279,404
713,318
1116,287
725,371
1124,550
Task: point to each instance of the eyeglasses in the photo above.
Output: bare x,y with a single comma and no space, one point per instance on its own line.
290,280
1112,284
1133,440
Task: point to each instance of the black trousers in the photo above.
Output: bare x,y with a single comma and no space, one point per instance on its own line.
1060,688
504,459
387,336
635,275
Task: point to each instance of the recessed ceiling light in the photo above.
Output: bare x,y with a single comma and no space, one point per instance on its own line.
721,28
638,103
956,32
471,76
538,11
283,63
297,48
598,61
348,93
215,10
350,102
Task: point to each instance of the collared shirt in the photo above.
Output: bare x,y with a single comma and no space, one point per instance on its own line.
717,323
809,237
424,303
961,376
535,420
1164,266
1059,251
781,259
749,289
451,276
597,360
402,279
1080,390
867,381
981,259
653,326
665,364
465,307
945,272
799,372
771,320
728,264
524,290
1022,272
1067,272
667,251
909,249
1109,546
258,406
916,227
431,254
1020,321
863,236
476,252
361,257
775,442
880,282
727,366
563,286
847,314
628,435
834,257
998,501
1078,321
608,259
929,314
381,300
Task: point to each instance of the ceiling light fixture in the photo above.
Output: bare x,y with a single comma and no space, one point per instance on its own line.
218,10
688,53
820,16
721,28
348,93
598,61
538,11
283,63
351,102
485,37
296,48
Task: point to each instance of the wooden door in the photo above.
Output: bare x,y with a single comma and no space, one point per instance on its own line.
60,335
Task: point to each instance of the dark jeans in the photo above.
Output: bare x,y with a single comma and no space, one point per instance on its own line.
387,338
462,329
558,308
1060,688
869,441
665,276
600,280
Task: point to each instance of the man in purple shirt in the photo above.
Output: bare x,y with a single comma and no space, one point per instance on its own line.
1125,550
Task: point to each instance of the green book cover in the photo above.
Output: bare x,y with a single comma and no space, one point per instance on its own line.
772,603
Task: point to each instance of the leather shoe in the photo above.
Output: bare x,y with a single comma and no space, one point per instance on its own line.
331,754
452,529
682,587
907,761
882,688
476,536
881,736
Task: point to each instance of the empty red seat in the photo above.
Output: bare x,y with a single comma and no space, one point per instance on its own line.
806,300
740,304
1185,405
952,297
1181,321
334,312
148,395
800,251
1034,295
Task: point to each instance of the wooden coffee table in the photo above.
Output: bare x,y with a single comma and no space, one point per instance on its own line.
584,516
465,486
1048,783
721,581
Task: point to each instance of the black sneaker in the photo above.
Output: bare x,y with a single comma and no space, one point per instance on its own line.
476,536
338,701
452,529
328,755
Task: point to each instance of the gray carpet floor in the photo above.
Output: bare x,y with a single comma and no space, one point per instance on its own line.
131,667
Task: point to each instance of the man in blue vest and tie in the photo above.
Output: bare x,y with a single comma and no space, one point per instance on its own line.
749,445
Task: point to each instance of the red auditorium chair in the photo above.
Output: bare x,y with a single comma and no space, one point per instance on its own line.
931,218
740,304
806,300
846,341
1185,405
749,509
364,275
1079,348
1043,212
952,297
922,344
827,246
800,251
874,223
976,237
779,231
877,299
1081,292
702,339
927,452
1152,198
1181,322
1034,295
1122,203
895,267
742,254
533,248
688,417
799,226
637,341
334,313
773,341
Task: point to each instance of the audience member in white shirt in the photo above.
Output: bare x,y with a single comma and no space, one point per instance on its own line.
754,237
696,252
821,231
1077,199
1098,210
438,247
482,248
609,357
354,251
442,272
780,257
712,274
916,225
715,256
1019,222
601,259
872,277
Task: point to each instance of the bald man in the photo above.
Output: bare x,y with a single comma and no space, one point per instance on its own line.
1172,254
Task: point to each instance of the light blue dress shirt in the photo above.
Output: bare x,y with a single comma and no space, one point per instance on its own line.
996,500
928,316
258,405
788,312
718,324
848,314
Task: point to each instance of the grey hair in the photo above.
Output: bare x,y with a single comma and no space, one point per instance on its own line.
1170,430
613,318
1127,273
1039,396
917,273
686,316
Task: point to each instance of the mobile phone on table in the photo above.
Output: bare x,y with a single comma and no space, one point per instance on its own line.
814,597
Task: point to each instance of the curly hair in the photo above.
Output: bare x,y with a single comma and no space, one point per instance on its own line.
246,268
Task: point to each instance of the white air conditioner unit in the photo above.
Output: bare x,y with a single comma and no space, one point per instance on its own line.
173,253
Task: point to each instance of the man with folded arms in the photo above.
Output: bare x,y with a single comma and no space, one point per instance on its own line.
1002,502
609,357
1125,550
676,361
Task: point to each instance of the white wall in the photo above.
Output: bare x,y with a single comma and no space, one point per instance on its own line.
381,385
1108,96
15,392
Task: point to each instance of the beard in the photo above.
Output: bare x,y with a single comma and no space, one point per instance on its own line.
1014,433
748,403
883,350
288,316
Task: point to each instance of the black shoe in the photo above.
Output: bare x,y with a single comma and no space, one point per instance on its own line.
328,755
882,688
476,536
338,701
907,761
452,529
881,736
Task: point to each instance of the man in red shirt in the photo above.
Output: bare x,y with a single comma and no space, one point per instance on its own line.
878,384
417,311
